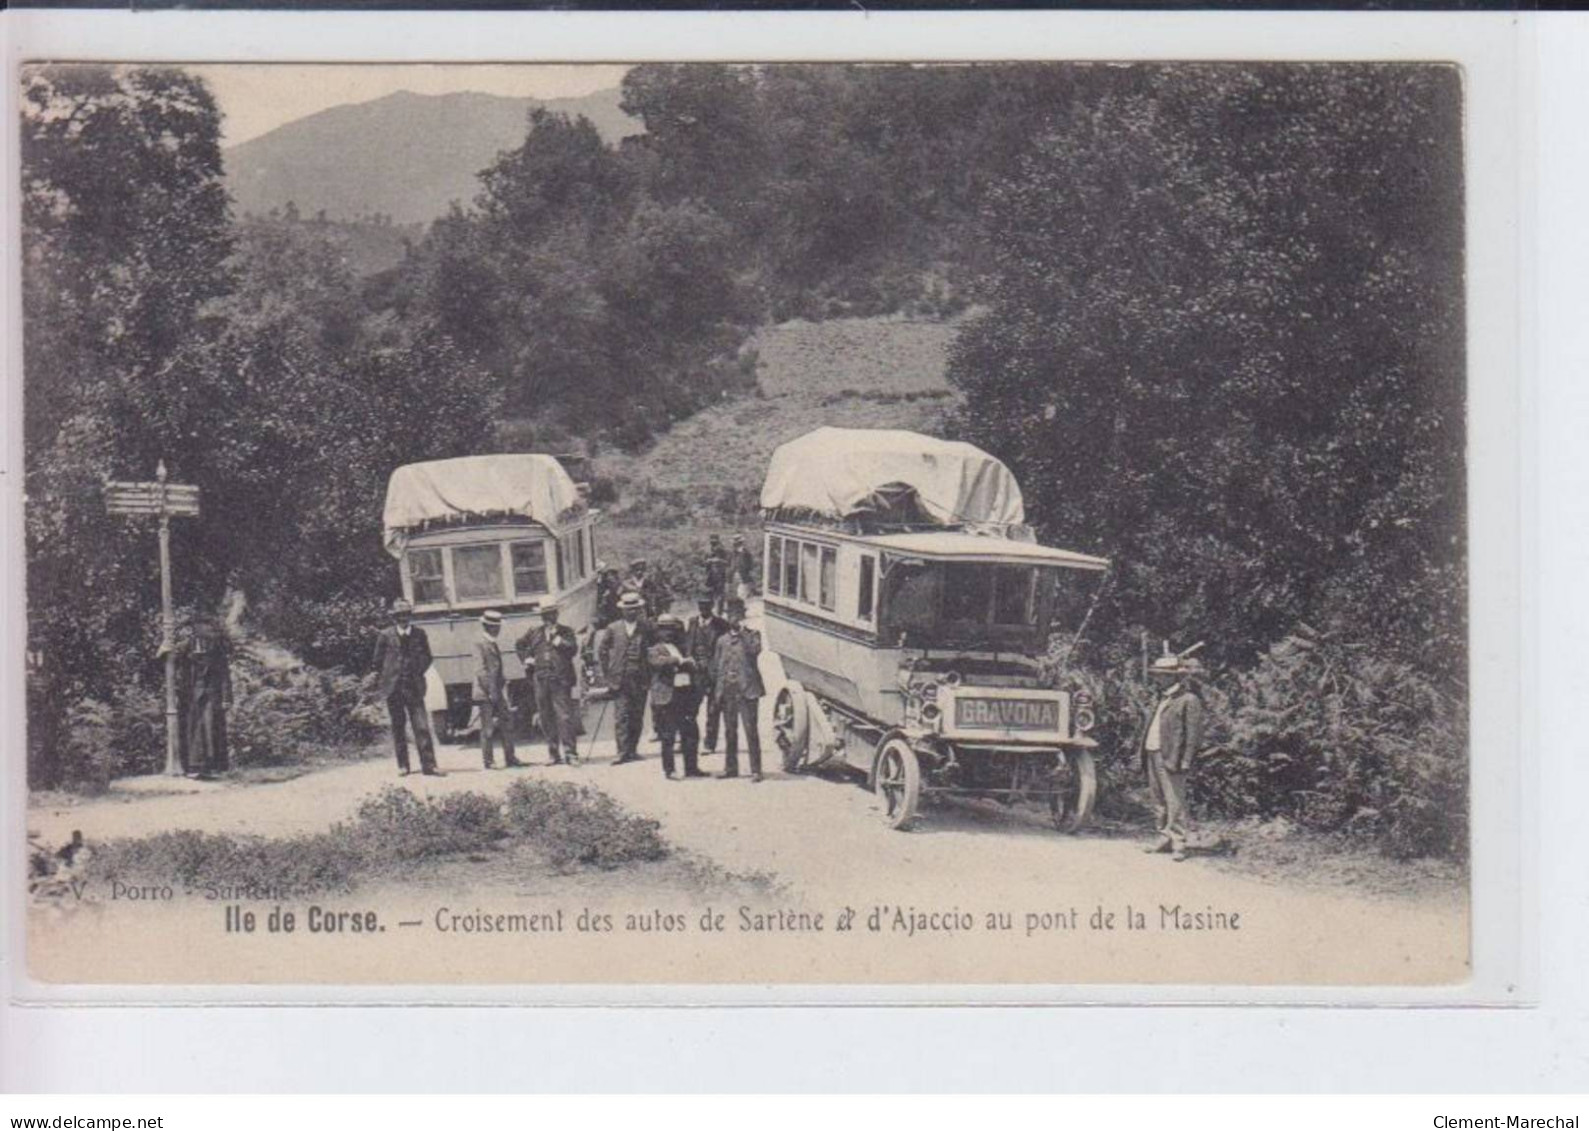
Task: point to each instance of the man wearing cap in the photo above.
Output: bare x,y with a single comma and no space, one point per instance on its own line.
742,569
675,695
402,657
716,572
1169,744
737,678
652,589
547,651
491,692
700,644
626,671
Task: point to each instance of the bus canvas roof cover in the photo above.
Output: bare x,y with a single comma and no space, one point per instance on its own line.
893,477
420,494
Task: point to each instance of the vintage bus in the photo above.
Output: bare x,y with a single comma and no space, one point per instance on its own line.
913,611
504,532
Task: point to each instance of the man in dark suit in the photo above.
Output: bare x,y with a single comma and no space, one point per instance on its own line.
700,644
402,657
1170,743
625,669
675,695
736,675
491,692
716,573
547,651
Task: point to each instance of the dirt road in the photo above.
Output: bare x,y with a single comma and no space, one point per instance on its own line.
825,845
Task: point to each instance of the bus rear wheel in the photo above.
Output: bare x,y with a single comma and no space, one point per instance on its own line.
791,727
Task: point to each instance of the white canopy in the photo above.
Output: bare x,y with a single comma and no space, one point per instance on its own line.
533,486
843,473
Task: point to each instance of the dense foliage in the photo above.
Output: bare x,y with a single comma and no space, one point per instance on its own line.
242,356
1223,346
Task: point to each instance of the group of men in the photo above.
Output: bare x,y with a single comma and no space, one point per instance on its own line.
639,652
547,651
710,662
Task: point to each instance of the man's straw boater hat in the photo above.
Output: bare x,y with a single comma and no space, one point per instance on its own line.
631,600
1177,664
491,618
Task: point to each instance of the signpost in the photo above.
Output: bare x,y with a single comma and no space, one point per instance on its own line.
164,501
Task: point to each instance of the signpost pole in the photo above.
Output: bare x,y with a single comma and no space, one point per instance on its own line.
168,627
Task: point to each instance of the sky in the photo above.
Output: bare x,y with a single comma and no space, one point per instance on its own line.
256,98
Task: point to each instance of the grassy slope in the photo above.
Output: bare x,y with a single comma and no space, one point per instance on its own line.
858,373
704,475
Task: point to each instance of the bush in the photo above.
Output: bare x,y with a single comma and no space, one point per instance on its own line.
393,827
396,825
287,712
1338,739
575,824
105,741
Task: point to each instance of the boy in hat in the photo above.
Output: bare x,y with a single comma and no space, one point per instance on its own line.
622,656
737,678
1170,742
675,695
547,651
491,692
402,657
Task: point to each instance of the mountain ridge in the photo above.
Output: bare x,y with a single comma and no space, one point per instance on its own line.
405,155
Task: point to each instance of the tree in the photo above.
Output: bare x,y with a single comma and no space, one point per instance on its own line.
1223,345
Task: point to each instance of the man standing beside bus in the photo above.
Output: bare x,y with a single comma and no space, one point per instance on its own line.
736,675
1169,744
700,644
491,691
402,657
627,673
547,652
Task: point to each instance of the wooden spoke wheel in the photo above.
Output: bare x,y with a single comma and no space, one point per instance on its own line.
1077,782
898,782
791,726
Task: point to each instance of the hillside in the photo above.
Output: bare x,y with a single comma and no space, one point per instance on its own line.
860,373
406,155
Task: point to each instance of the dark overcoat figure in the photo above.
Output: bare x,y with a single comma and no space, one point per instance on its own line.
209,698
736,675
402,657
547,651
700,644
675,697
624,667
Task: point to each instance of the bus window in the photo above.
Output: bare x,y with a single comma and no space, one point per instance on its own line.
424,570
477,572
826,596
529,568
1012,595
791,568
864,596
775,564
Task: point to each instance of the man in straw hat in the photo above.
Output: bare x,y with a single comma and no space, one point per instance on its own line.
675,695
402,657
622,656
547,651
491,692
1170,742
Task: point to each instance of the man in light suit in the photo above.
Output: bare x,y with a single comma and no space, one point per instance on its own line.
1170,743
491,692
736,676
625,669
402,657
